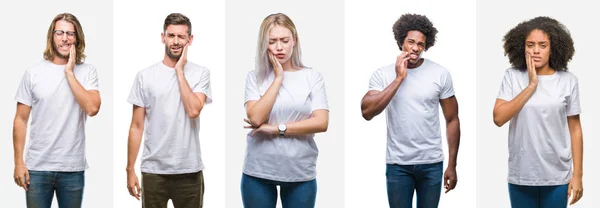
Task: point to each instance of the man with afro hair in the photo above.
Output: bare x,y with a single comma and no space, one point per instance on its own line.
411,90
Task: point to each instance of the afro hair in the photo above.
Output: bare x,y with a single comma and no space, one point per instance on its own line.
561,43
408,22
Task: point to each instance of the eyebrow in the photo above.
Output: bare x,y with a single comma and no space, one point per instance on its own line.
279,38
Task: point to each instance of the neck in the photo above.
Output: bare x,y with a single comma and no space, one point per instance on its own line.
168,61
287,66
416,64
544,70
59,61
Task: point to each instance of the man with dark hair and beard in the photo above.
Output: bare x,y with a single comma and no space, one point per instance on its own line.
59,92
167,97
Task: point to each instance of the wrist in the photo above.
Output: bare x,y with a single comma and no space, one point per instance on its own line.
399,78
130,170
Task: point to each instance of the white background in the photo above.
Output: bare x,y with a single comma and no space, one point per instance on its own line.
370,44
321,34
137,29
492,154
24,43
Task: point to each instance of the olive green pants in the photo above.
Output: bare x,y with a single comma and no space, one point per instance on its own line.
185,190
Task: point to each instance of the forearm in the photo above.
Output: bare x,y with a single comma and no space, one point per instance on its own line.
19,131
307,126
504,112
374,104
453,136
133,146
88,101
192,104
577,152
259,112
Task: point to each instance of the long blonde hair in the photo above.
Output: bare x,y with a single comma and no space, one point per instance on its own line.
49,53
263,65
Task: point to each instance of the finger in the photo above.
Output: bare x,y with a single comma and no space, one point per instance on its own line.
27,180
130,189
139,191
249,127
247,121
23,181
253,132
184,53
577,196
569,189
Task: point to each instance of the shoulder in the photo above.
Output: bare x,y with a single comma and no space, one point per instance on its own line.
568,76
195,67
38,66
433,66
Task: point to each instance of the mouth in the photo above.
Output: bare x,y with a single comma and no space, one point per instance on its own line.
414,56
66,46
536,59
176,49
280,55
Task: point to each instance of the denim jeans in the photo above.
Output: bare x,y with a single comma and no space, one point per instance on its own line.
403,180
538,196
68,187
262,193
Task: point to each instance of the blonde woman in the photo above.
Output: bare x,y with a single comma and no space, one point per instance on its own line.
286,104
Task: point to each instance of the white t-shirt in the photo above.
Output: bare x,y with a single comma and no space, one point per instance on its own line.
57,131
171,144
287,158
539,140
413,124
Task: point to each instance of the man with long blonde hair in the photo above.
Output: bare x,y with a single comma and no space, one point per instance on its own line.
59,92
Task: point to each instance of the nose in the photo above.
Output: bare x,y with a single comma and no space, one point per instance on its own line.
536,49
279,46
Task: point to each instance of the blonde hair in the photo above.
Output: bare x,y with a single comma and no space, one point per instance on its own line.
50,52
263,65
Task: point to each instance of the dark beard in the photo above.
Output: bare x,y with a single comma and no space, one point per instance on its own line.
60,55
171,55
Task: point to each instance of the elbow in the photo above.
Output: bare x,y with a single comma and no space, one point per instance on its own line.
193,114
93,111
324,126
366,115
498,121
255,122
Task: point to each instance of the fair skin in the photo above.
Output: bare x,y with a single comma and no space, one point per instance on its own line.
280,48
176,40
537,53
88,100
374,101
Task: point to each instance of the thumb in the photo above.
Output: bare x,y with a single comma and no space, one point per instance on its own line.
569,191
27,177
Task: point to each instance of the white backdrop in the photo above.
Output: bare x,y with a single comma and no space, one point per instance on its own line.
137,28
320,30
370,44
25,41
492,25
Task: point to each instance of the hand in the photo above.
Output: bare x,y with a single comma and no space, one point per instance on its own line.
21,176
182,59
277,68
533,79
71,63
450,179
575,189
133,185
402,65
265,129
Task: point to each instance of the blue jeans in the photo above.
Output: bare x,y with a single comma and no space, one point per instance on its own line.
262,193
68,187
403,180
538,196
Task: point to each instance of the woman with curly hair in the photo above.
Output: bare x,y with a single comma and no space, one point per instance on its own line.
411,91
286,105
541,99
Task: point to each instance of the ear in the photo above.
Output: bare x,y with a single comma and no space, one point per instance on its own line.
162,38
191,40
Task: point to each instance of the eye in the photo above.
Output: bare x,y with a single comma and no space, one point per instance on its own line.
170,35
271,42
543,46
286,41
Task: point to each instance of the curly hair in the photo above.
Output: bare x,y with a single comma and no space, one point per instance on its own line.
408,22
561,43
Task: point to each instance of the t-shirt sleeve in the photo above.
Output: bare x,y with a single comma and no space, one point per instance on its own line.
505,92
24,94
573,106
91,82
376,82
447,89
318,93
203,85
252,92
136,95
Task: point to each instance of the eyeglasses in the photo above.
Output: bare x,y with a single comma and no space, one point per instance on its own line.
62,32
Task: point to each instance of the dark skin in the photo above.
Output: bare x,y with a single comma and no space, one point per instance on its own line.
374,102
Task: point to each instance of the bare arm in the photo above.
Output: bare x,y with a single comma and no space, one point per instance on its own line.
576,184
374,102
258,111
192,102
450,109
318,122
133,146
21,174
88,100
505,110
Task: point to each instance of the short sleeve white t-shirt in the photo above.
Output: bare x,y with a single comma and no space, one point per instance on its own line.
413,124
286,158
539,140
57,131
171,144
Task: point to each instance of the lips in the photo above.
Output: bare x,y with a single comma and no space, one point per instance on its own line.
414,56
537,59
280,55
